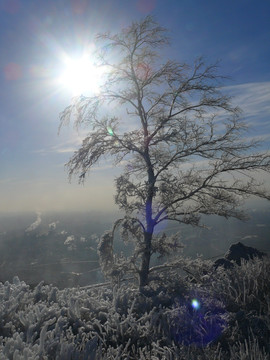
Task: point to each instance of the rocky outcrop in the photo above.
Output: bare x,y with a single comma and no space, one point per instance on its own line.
223,262
236,253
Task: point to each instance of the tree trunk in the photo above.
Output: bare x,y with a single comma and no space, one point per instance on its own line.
146,256
144,272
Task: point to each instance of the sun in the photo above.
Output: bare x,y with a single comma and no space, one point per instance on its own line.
80,75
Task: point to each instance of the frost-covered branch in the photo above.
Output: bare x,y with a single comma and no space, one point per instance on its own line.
186,153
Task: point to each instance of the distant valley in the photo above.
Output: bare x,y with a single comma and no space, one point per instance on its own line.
61,248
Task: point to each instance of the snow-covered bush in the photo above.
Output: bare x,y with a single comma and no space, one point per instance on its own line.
176,317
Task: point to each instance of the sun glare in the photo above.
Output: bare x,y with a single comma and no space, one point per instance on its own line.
81,76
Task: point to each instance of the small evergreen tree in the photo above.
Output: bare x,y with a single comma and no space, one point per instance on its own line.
181,144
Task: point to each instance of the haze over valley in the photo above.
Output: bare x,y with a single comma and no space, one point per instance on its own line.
61,247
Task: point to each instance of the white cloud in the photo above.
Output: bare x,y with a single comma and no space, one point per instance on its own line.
35,224
253,99
70,239
52,226
70,242
67,146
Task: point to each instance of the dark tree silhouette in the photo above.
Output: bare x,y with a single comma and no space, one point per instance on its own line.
181,144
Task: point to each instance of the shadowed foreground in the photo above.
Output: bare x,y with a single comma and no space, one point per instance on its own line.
209,314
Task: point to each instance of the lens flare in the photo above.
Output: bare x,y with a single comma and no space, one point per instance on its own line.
146,6
79,6
195,304
12,71
110,131
12,6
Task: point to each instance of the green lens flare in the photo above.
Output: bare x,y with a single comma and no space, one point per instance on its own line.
110,131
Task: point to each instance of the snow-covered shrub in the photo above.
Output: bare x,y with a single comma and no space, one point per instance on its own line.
245,287
176,317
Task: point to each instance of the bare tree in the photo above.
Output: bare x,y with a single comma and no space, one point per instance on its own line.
181,144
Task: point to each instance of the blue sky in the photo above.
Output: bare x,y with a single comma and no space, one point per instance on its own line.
33,36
